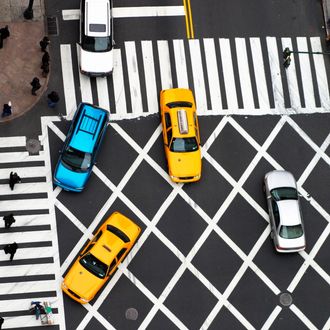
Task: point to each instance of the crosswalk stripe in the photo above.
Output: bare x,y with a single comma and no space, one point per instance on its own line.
126,12
23,172
25,237
259,72
165,64
118,83
24,188
103,93
68,81
133,77
23,304
198,75
212,74
29,253
244,74
228,74
14,276
32,220
23,156
205,65
85,83
306,74
27,320
33,286
27,270
291,75
148,11
321,76
70,14
24,204
150,77
180,63
275,73
14,141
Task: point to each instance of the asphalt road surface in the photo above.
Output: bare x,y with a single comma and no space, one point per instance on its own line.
205,258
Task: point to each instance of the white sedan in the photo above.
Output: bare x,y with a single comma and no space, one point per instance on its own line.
287,229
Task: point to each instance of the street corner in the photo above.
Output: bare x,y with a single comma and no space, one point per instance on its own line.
21,60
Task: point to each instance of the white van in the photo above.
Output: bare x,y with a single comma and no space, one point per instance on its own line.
96,37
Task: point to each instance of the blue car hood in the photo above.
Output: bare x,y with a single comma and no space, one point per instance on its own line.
70,179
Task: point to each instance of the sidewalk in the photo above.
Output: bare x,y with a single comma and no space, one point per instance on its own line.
20,57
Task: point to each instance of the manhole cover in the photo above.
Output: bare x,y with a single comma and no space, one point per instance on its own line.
131,314
33,146
285,299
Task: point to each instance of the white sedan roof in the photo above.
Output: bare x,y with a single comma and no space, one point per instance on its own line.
280,179
289,212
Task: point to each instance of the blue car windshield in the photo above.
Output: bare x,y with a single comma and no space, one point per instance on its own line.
76,160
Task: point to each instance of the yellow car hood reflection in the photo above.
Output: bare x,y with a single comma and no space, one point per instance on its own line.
83,282
185,164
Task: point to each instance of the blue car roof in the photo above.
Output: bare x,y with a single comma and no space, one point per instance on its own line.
89,123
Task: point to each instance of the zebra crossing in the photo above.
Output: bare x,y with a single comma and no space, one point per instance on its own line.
34,272
240,76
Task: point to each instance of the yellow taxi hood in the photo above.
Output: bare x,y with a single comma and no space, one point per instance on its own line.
177,94
82,282
118,220
185,164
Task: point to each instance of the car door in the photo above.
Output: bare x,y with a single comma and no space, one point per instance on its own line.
167,131
111,23
275,221
270,204
197,128
112,267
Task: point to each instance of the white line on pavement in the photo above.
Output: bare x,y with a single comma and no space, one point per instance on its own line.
130,12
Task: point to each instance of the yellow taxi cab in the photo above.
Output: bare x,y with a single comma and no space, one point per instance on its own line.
100,258
181,134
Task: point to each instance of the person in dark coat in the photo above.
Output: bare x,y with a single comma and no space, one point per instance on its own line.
11,249
13,179
6,109
45,69
5,32
45,58
9,220
53,98
35,83
1,321
44,43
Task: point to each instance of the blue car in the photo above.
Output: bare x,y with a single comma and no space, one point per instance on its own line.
81,145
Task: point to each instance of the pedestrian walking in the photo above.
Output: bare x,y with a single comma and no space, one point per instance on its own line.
45,69
53,98
45,58
35,83
9,220
11,249
6,109
44,43
287,62
13,179
1,321
5,32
